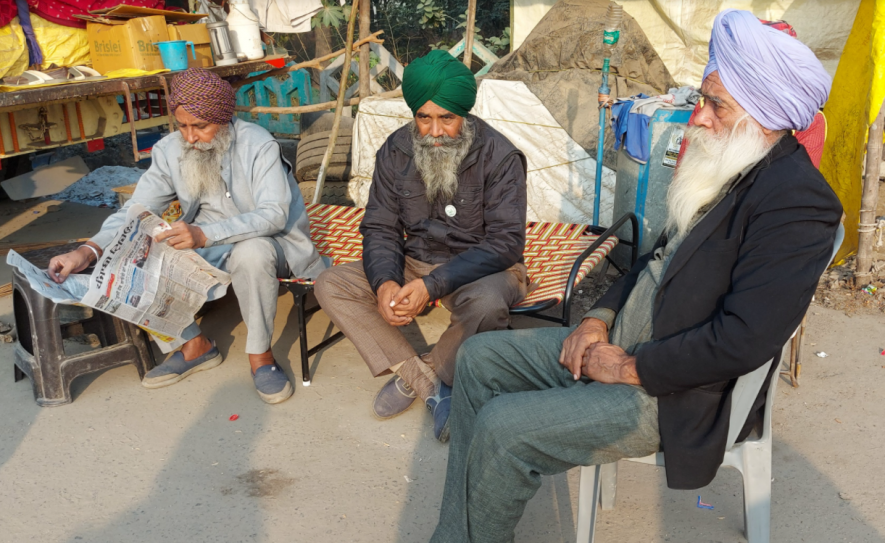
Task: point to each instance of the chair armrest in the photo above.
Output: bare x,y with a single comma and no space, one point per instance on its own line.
573,274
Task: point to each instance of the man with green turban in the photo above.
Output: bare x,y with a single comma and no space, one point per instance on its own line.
445,222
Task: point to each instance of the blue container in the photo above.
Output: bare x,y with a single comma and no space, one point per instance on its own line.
174,54
642,188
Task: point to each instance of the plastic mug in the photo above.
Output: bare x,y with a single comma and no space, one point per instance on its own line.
174,54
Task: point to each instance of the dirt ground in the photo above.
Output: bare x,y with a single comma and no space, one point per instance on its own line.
123,463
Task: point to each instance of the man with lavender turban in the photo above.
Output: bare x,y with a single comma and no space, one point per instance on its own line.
241,210
654,363
773,76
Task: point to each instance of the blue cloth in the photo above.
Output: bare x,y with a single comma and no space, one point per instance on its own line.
35,55
773,76
631,129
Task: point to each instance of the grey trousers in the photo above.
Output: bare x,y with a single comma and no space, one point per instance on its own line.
346,296
254,266
517,414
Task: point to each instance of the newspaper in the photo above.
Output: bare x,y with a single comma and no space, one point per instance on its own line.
69,292
150,284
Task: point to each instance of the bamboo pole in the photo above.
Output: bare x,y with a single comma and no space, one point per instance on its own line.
313,107
468,37
365,24
342,90
870,199
315,63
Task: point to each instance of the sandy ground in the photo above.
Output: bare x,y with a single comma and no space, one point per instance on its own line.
123,463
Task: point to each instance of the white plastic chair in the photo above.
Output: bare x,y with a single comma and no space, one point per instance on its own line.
751,457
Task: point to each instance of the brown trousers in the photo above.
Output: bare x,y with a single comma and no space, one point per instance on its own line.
483,305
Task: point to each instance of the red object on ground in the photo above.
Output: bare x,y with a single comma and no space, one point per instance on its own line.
63,11
234,417
275,62
95,145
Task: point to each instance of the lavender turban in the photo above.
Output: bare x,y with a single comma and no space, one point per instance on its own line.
774,77
204,95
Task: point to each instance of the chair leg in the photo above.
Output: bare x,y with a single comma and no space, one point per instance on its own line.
608,484
19,374
302,339
756,473
588,503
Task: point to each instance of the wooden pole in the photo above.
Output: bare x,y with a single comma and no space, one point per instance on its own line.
468,37
365,23
870,199
339,108
315,63
313,107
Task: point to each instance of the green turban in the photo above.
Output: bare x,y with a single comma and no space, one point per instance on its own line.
441,78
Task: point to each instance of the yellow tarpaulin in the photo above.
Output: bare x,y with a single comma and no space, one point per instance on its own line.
61,45
13,50
858,91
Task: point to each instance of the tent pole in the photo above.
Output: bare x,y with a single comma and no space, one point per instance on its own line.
869,201
468,37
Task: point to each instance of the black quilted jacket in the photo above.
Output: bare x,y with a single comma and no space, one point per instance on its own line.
486,235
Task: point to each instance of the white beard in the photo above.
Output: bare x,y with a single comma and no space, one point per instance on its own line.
200,164
709,162
438,165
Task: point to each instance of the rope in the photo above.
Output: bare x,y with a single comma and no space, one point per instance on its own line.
616,75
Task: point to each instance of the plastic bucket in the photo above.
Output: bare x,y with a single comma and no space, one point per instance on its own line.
174,54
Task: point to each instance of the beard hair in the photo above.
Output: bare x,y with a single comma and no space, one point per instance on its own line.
438,165
201,163
709,163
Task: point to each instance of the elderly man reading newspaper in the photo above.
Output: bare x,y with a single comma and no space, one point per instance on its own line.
241,211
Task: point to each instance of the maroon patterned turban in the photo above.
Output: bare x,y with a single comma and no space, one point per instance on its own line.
204,95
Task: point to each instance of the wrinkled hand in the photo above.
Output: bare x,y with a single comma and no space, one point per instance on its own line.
61,266
183,236
609,364
590,332
411,299
385,297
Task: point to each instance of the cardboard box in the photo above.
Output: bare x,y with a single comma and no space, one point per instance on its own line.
198,34
114,45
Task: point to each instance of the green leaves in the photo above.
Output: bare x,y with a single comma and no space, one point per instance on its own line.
431,14
497,44
332,14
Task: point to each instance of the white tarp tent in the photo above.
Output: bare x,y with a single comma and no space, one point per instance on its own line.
561,175
680,29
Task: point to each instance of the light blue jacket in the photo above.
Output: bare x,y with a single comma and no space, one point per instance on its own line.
261,186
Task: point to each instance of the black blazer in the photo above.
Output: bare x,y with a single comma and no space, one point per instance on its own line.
732,295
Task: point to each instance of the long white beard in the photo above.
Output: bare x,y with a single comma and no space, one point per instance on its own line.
438,165
709,162
201,163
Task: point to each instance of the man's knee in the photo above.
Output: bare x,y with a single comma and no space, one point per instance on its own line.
476,358
343,281
253,255
331,281
483,300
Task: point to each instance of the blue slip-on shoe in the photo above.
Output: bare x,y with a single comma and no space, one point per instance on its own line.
176,368
272,384
393,399
440,406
